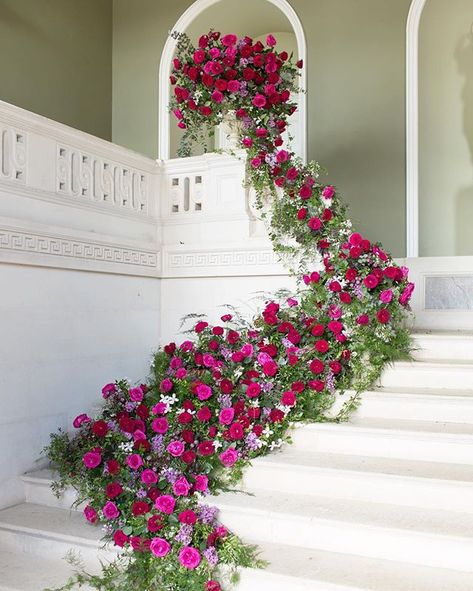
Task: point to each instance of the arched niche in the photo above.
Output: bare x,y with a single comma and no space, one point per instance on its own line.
205,14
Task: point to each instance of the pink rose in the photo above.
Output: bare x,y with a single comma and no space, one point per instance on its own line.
149,477
229,457
159,547
81,420
165,385
406,294
189,557
355,239
92,459
363,319
134,461
247,350
271,41
181,373
160,425
181,487
247,142
328,192
217,96
136,394
229,40
165,504
201,483
90,514
371,281
256,161
214,52
208,360
226,416
259,101
176,448
386,296
110,510
282,156
203,391
159,409
254,389
233,86
199,56
108,389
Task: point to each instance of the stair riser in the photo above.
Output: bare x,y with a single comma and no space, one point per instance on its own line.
40,493
376,488
443,347
48,547
419,408
419,376
251,580
433,448
344,537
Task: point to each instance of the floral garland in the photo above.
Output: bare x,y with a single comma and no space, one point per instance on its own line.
215,402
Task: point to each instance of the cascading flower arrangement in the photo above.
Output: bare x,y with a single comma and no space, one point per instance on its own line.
146,463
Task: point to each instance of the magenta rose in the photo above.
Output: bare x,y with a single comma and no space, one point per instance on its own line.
160,425
189,557
108,389
176,448
181,487
259,101
203,391
406,294
160,547
386,296
328,192
90,514
165,504
229,457
134,461
201,483
229,40
92,459
110,510
165,385
226,416
271,40
81,420
136,394
149,477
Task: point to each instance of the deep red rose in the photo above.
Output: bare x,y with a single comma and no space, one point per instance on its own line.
188,436
155,523
257,430
113,467
142,411
317,366
317,385
383,315
100,428
188,457
204,414
276,415
236,431
113,490
188,516
184,418
206,448
139,508
120,538
212,586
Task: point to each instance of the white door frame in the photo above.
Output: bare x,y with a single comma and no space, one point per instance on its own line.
412,127
165,70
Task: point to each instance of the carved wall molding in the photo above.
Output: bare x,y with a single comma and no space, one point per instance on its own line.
38,247
12,154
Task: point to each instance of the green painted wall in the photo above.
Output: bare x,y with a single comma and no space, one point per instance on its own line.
56,60
356,96
446,128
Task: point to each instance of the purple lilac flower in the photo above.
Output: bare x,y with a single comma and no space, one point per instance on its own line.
157,444
226,353
141,493
225,400
130,406
243,62
267,386
331,382
170,474
287,343
266,411
252,441
207,514
357,290
184,535
211,556
113,426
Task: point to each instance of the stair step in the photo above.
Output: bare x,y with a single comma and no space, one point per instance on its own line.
421,404
416,536
38,491
301,569
24,572
51,532
377,480
391,439
448,374
432,345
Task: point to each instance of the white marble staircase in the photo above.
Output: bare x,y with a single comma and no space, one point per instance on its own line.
382,503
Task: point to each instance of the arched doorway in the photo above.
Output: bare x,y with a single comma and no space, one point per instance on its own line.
279,16
439,128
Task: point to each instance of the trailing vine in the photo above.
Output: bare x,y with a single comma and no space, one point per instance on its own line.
230,393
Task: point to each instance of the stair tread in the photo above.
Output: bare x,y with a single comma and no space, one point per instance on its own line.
369,465
25,572
397,428
417,391
357,572
362,513
436,427
431,363
64,524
